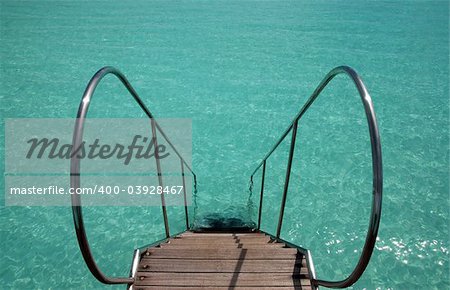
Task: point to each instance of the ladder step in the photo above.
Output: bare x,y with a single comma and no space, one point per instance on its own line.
223,238
219,241
143,287
191,234
220,279
224,266
222,254
222,246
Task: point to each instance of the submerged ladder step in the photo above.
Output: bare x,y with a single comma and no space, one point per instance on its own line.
222,261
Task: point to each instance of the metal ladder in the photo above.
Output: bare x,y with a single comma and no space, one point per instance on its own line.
139,253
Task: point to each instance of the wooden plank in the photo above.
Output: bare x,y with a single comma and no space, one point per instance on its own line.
228,236
144,287
219,241
221,234
222,254
218,244
222,239
222,246
219,279
224,266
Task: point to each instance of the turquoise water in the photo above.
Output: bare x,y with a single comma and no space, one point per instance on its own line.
241,70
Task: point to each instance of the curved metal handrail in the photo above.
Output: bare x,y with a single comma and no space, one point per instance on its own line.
376,169
75,168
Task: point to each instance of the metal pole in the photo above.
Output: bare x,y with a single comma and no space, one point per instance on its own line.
262,193
184,193
288,175
158,168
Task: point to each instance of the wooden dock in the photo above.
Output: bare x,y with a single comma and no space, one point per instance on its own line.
222,261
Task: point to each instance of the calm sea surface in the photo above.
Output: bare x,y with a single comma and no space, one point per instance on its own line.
241,70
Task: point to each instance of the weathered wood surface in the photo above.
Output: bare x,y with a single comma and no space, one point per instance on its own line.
221,266
222,261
